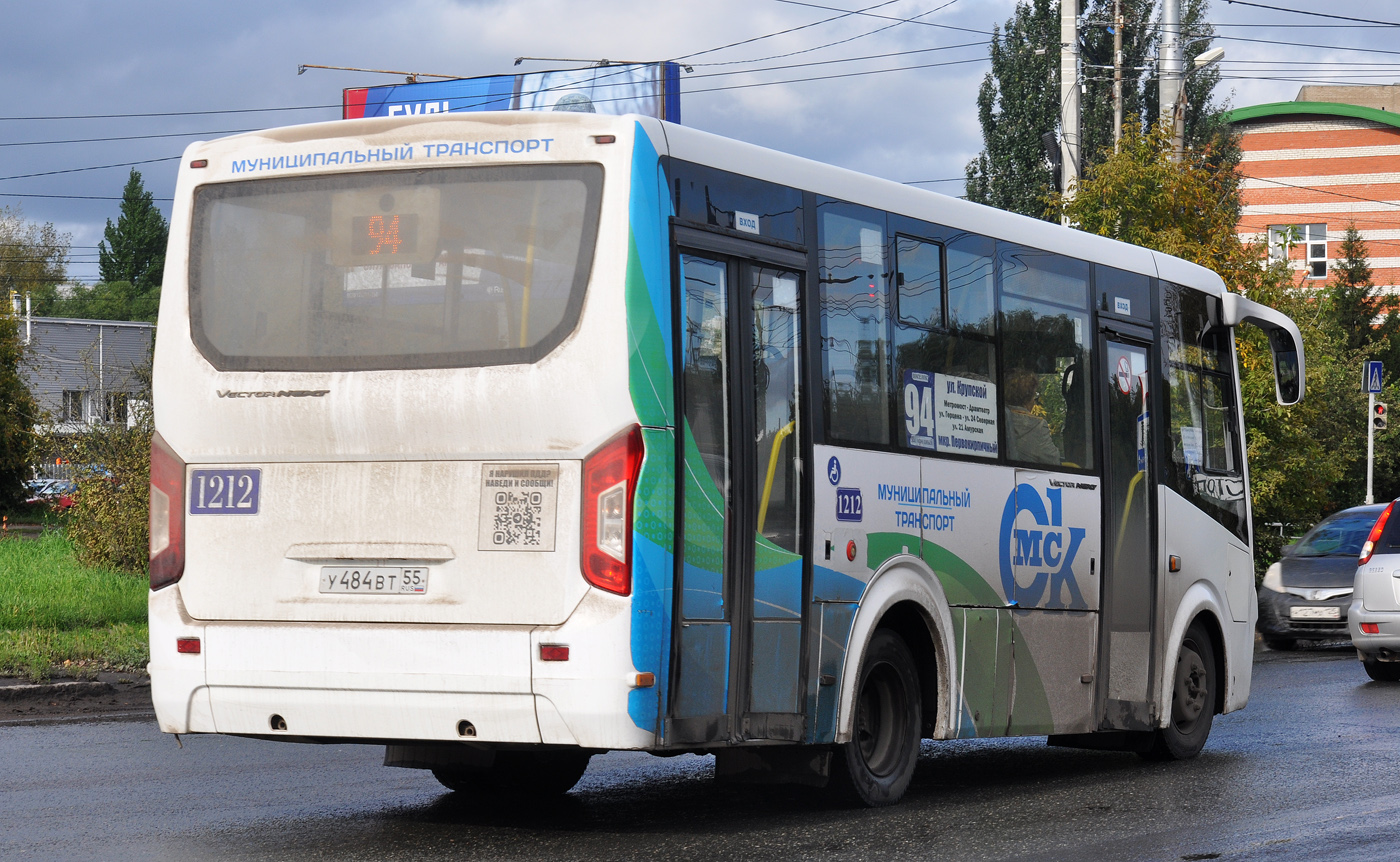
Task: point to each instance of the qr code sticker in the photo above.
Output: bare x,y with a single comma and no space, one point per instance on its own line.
518,518
518,503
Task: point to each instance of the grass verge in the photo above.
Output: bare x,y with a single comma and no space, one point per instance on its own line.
57,616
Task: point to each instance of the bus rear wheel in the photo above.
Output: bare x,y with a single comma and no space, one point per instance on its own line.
875,767
1194,690
519,773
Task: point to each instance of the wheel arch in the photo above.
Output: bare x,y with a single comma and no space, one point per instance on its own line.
1201,602
906,597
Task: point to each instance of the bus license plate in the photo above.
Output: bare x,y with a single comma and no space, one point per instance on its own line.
1315,613
379,580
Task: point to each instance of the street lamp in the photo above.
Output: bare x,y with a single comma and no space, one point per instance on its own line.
1205,60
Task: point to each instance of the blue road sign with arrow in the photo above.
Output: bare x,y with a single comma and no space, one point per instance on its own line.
1373,376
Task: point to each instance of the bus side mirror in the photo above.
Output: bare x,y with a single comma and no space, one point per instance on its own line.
1285,342
1288,381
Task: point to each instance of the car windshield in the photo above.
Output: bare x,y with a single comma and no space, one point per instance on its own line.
1340,535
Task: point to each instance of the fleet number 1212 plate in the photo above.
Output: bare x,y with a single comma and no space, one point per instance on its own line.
393,580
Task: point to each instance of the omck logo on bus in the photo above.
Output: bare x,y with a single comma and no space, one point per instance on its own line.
1038,552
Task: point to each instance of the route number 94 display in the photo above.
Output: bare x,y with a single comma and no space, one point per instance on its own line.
398,580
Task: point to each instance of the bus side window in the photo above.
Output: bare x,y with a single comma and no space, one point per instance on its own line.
918,278
855,315
1046,344
945,347
1203,438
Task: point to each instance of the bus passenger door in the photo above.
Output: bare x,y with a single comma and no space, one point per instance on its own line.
737,670
1129,576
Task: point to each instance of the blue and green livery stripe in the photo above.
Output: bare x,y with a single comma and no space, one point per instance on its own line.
647,291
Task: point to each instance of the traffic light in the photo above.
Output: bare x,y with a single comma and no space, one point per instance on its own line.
1380,419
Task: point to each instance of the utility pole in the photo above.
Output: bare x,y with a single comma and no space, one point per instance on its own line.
1169,72
1069,97
1117,72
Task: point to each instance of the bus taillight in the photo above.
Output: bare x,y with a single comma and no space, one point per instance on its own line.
1370,546
167,514
609,483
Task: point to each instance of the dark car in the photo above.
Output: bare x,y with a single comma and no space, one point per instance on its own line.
1305,595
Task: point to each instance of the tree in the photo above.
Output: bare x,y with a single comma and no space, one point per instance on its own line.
1188,209
118,300
1018,102
133,250
33,257
1367,318
1205,119
1096,52
17,412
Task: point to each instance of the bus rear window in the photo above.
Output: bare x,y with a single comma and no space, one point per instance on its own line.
395,269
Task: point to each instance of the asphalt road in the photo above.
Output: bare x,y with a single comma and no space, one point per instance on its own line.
1307,771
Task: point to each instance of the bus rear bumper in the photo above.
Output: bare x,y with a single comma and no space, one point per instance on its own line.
386,682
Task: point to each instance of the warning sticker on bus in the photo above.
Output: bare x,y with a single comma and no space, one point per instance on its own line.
518,507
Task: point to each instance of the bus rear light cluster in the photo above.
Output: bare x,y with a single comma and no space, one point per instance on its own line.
609,485
167,514
1370,547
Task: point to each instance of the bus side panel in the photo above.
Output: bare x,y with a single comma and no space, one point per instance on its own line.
1016,548
1198,539
650,371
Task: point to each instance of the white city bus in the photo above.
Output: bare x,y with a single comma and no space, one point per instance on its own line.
505,439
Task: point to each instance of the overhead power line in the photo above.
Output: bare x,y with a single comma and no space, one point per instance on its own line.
886,17
1313,14
845,13
127,138
839,41
1307,45
176,113
90,168
72,197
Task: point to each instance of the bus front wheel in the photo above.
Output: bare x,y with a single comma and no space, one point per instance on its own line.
1194,690
875,767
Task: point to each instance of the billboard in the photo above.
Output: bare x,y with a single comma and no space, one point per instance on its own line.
652,89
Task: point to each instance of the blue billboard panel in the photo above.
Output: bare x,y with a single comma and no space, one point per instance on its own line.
650,89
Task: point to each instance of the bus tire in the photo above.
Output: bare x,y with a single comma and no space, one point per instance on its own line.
1194,689
519,773
1382,671
875,767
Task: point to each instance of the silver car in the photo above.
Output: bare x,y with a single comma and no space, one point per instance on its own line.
1374,616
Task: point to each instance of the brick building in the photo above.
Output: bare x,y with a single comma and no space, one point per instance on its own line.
1315,165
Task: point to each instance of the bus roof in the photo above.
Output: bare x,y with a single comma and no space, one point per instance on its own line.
694,145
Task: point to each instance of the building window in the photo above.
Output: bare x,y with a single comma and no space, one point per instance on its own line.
115,411
1281,239
73,405
1315,249
1312,237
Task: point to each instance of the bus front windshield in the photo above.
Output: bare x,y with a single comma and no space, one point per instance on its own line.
392,269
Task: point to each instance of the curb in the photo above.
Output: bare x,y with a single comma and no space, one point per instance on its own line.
96,718
78,687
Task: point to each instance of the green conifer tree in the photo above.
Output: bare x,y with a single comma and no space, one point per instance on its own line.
133,249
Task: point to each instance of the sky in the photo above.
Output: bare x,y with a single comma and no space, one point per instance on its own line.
69,59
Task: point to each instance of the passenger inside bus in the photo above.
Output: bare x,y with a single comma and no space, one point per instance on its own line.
1027,432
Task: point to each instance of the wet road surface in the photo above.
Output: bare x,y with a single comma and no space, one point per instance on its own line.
1308,771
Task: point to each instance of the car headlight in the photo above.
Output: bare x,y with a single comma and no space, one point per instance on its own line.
1273,578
